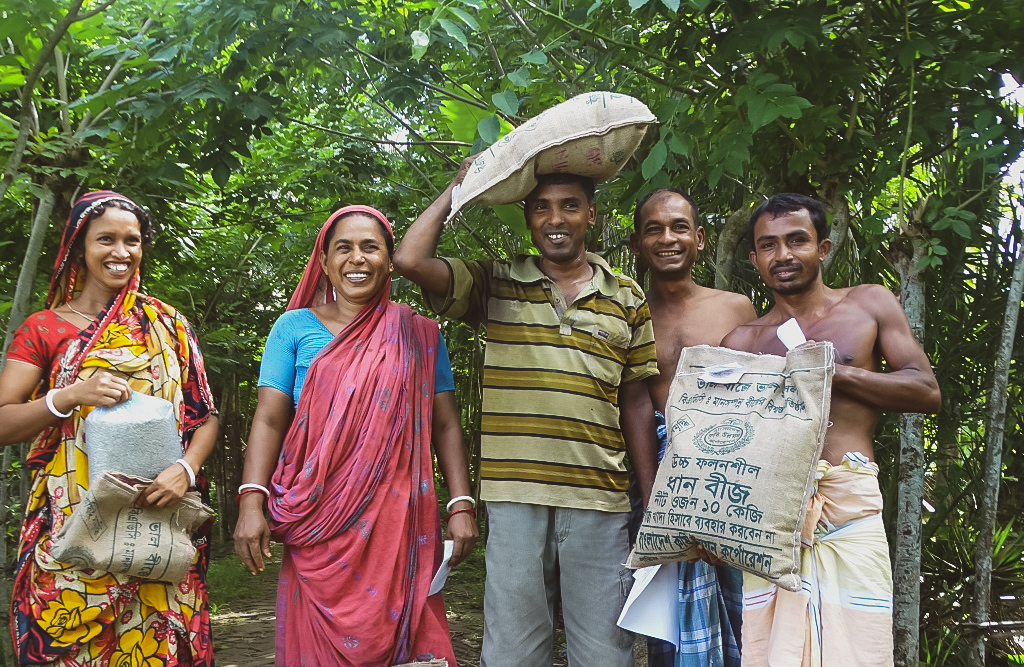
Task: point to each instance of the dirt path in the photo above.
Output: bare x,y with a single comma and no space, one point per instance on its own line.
243,630
245,638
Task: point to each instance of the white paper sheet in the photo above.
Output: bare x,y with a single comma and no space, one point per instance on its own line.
652,608
455,196
790,333
437,583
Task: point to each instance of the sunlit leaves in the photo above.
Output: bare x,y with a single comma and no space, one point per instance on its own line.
489,129
655,160
507,102
420,42
534,57
466,17
11,77
519,78
454,31
957,221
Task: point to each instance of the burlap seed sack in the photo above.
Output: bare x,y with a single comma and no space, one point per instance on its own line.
745,434
592,134
137,437
106,532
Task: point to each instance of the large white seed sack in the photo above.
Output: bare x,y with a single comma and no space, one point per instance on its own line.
745,434
592,134
137,437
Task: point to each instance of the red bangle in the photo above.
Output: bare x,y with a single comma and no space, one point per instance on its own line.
465,509
238,498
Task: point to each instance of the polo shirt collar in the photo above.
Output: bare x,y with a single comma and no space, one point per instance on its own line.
526,269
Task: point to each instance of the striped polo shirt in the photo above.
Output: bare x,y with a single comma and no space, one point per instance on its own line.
552,370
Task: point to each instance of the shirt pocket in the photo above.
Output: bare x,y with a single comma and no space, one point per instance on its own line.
607,350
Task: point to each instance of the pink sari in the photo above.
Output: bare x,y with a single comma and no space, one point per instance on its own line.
353,495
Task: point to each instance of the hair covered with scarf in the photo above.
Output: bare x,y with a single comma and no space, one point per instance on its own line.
66,277
314,288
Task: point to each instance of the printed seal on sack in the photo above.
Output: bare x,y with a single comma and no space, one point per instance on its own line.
745,437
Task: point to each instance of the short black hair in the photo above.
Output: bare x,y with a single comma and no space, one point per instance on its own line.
790,202
676,191
141,214
585,182
389,240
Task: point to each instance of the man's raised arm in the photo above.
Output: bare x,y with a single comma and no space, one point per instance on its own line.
414,257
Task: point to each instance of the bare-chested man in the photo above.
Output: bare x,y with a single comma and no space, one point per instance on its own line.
843,616
667,238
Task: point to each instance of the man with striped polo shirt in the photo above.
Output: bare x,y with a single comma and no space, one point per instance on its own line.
570,347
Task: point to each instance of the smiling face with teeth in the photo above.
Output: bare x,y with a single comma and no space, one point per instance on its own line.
356,259
557,215
112,249
667,237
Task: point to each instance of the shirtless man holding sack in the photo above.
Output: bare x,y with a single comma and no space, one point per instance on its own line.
843,615
667,237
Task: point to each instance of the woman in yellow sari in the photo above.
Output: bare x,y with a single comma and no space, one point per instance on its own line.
97,341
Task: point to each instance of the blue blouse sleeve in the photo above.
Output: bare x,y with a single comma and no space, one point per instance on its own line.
443,380
277,368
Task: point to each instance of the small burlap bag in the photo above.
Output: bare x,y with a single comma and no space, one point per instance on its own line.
106,532
592,134
137,437
745,434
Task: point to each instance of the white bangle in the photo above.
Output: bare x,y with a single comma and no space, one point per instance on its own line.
53,408
259,487
188,469
456,499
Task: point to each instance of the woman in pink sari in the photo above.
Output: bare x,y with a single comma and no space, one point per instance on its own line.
351,396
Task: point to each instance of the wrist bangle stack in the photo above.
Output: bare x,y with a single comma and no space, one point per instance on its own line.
464,510
188,469
469,499
53,409
251,488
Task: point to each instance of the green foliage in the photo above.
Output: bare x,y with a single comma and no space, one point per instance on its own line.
243,123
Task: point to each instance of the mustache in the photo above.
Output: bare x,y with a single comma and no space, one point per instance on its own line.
791,266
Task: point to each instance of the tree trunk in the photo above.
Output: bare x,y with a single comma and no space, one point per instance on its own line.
839,207
19,310
6,645
994,461
910,479
27,275
729,238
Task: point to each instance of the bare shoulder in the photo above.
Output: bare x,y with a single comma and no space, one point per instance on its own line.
739,304
875,299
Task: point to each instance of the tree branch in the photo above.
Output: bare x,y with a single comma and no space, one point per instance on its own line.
62,89
377,141
24,129
427,84
115,69
533,38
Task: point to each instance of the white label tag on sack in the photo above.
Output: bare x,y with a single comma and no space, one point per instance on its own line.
724,374
791,334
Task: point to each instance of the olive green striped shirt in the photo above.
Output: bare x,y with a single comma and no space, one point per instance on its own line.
552,371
